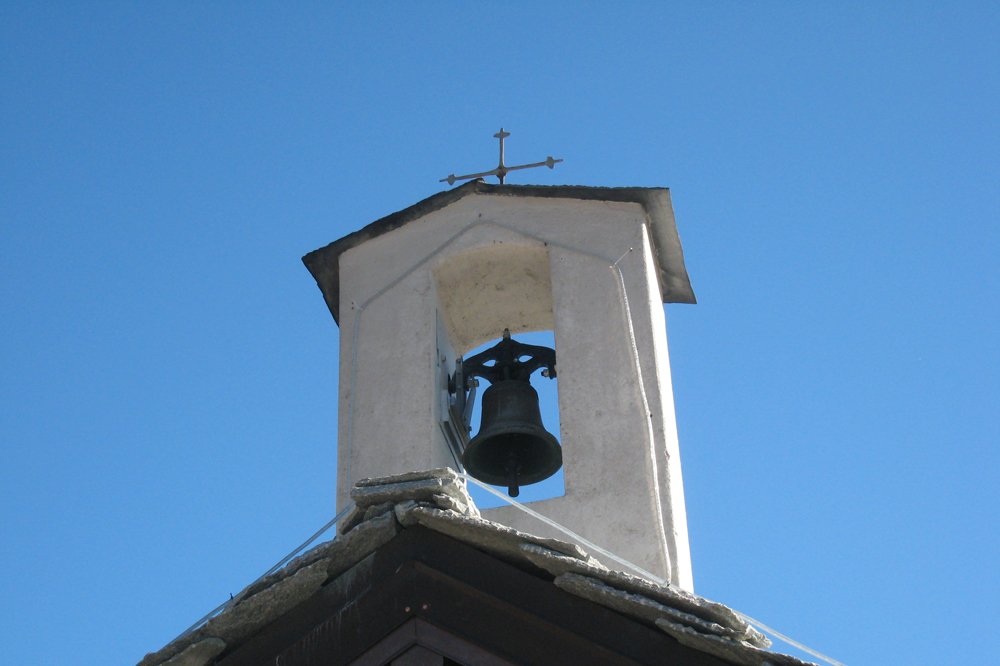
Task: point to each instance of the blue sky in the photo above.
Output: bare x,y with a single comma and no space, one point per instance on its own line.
167,385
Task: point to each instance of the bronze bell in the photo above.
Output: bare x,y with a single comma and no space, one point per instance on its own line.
512,448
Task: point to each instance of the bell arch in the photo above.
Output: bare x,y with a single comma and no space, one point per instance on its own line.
486,289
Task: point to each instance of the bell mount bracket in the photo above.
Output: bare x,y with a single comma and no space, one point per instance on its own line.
510,360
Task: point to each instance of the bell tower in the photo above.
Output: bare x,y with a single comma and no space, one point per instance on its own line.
414,292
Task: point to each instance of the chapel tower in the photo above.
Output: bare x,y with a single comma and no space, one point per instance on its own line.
417,290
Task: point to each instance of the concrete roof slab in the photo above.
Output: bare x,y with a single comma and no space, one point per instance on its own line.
324,263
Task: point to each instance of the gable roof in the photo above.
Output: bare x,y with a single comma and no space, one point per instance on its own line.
324,263
415,547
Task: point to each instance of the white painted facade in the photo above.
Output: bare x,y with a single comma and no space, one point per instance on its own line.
413,298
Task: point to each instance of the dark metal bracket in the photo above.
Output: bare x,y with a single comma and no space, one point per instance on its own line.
509,359
506,360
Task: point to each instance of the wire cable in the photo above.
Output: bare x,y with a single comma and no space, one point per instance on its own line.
763,627
568,532
646,412
642,572
232,601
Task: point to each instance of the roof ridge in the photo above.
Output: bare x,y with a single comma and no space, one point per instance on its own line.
438,500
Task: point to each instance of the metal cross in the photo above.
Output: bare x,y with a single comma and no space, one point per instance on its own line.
502,169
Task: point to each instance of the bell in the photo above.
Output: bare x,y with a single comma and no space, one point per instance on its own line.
512,448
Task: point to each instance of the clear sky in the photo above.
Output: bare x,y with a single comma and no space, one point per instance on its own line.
167,384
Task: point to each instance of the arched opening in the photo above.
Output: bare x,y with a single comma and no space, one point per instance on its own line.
482,291
486,289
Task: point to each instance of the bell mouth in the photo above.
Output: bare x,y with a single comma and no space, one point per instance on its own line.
512,448
534,452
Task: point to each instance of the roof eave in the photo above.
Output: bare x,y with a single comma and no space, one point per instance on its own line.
675,285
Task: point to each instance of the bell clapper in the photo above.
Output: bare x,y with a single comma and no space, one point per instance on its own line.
512,467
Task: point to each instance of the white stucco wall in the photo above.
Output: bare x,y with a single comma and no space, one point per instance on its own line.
489,262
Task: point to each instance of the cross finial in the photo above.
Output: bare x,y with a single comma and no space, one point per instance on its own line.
502,169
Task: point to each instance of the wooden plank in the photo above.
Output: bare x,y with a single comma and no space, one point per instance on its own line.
469,606
390,646
418,655
455,648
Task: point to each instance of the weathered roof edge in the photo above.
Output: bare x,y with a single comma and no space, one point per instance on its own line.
324,263
439,501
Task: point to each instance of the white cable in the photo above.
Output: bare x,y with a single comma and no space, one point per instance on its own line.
336,519
267,573
645,574
769,630
647,413
568,532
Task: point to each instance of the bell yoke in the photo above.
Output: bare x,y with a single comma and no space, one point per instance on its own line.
512,447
